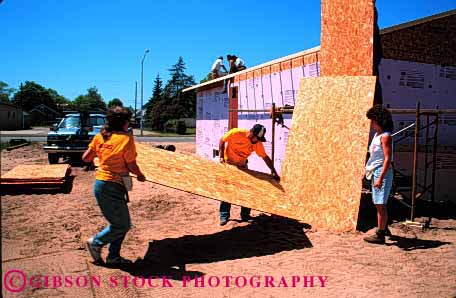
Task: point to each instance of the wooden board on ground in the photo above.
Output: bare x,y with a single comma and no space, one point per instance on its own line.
29,174
326,151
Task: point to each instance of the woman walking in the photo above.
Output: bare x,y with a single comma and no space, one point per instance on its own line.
115,149
379,168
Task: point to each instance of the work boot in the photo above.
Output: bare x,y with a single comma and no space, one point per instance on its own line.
246,218
94,250
377,238
388,232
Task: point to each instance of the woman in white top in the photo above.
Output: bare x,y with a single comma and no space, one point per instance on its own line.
379,168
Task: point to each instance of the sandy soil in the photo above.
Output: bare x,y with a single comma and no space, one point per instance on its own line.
177,235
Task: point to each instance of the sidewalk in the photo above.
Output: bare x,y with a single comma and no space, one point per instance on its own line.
43,131
148,133
34,131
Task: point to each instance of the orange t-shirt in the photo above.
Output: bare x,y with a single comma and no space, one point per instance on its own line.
239,147
113,155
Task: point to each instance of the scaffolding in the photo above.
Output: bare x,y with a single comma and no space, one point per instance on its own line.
427,121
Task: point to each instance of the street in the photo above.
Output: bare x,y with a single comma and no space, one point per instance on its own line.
38,134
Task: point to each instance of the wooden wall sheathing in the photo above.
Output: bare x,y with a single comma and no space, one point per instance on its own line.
213,180
347,28
36,173
325,155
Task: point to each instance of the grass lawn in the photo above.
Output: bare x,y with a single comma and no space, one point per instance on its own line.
4,145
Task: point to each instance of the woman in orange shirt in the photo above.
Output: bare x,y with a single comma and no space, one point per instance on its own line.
115,149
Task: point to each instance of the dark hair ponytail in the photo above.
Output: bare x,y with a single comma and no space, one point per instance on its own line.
116,117
382,116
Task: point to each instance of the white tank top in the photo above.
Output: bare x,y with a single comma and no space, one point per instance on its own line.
377,156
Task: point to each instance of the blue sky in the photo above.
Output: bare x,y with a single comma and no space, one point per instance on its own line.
72,45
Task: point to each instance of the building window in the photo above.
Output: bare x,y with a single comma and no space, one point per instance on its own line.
14,115
8,114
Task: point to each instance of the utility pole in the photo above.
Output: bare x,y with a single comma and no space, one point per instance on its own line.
142,91
136,99
22,107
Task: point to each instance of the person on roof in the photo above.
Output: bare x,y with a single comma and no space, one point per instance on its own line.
216,68
236,63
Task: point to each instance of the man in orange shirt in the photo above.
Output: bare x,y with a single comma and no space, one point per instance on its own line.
241,143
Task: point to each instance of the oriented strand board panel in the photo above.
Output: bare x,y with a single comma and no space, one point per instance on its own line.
324,160
36,173
347,30
213,180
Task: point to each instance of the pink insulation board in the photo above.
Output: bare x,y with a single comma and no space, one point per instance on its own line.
297,73
276,85
251,98
267,90
404,83
243,98
287,87
212,121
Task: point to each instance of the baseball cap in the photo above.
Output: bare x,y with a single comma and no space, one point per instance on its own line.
259,131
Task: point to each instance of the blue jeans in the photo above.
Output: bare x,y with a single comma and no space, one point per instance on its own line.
226,207
225,211
111,199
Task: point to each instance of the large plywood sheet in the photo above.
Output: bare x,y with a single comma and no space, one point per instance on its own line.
36,173
213,180
347,30
325,155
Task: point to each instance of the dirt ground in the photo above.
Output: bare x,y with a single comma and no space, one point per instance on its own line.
177,235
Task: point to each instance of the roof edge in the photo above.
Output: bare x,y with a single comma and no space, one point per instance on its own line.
418,21
291,56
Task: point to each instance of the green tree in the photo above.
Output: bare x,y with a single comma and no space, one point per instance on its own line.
32,94
172,103
5,92
157,93
115,102
178,79
91,101
60,101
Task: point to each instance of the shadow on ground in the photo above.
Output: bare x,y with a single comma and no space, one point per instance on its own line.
265,236
409,244
397,212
